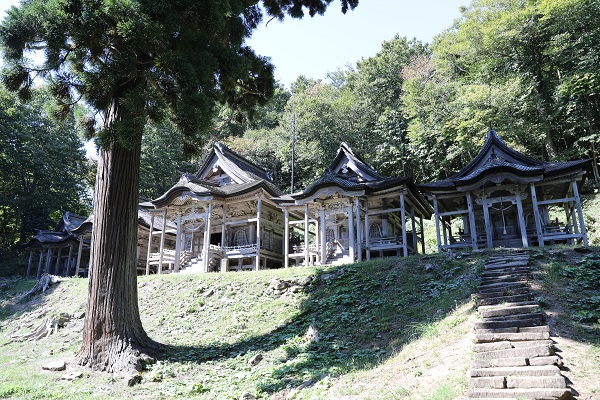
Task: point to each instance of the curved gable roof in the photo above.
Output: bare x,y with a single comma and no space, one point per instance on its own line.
495,156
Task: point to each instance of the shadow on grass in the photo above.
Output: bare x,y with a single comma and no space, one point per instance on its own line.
364,314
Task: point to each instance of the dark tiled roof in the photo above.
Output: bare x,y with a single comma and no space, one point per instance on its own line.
496,156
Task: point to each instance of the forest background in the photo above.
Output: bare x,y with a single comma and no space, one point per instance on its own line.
528,69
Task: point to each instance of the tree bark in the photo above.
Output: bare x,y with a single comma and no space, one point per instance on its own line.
113,337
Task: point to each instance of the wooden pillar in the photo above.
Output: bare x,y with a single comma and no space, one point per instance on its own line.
472,227
521,216
358,230
414,229
39,270
286,238
207,230
487,222
580,214
162,243
422,234
351,239
29,264
306,241
258,236
573,218
178,243
57,265
223,230
69,261
403,218
48,261
437,223
149,252
79,253
444,231
367,233
536,216
323,238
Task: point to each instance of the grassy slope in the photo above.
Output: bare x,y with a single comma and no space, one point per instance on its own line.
388,329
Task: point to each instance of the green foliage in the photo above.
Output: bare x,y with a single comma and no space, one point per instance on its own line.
585,275
43,169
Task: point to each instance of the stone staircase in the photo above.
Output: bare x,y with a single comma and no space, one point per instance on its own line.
514,355
193,266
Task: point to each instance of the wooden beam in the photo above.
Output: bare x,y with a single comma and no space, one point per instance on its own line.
178,243
286,238
358,229
367,231
306,242
555,201
403,217
149,244
472,227
79,252
580,214
536,216
207,231
162,242
57,265
39,270
323,238
458,212
67,272
488,224
258,238
521,217
414,229
351,240
29,264
436,215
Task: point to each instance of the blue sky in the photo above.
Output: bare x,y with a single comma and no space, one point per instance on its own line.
315,46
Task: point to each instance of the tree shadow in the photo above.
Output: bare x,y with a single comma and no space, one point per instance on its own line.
364,313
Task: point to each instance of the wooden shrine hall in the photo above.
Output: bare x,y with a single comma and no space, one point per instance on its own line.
223,216
353,213
61,251
506,199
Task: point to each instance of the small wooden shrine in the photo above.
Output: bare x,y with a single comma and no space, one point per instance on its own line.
61,250
352,212
223,216
506,199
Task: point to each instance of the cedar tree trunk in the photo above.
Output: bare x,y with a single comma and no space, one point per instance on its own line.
113,337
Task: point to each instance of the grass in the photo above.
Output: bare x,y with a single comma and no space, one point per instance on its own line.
211,325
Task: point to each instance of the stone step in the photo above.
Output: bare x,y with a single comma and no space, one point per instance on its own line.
556,382
548,360
492,346
547,370
500,293
526,316
488,382
504,280
509,323
498,300
500,362
504,271
524,394
509,310
526,352
516,329
501,286
519,336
